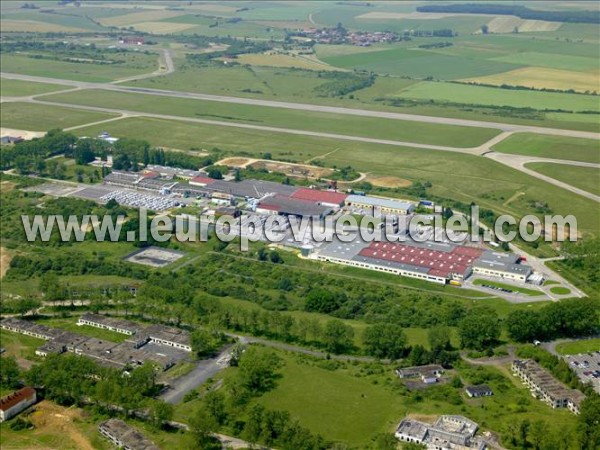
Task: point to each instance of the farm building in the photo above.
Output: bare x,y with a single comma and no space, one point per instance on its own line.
13,404
5,140
481,390
125,436
447,433
325,198
383,205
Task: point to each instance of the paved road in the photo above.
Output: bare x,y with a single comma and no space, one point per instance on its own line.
205,369
166,57
307,107
518,162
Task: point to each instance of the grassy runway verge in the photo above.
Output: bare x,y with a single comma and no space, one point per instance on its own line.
557,147
418,132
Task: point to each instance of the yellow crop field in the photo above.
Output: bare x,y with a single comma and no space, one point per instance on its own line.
36,27
542,77
507,24
128,20
162,27
278,60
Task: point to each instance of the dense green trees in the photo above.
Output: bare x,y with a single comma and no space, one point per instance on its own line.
9,373
384,340
568,318
479,329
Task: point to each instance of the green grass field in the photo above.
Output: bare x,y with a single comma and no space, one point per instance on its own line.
451,174
553,61
350,406
419,63
19,345
32,117
135,64
17,88
481,95
522,290
576,347
586,178
558,147
560,290
419,132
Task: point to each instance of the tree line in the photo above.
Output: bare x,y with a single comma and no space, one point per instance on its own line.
574,16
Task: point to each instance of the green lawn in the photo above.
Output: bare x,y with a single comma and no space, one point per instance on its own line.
351,406
481,95
419,132
560,290
135,64
452,175
553,61
557,147
18,88
19,345
520,289
32,117
586,178
581,346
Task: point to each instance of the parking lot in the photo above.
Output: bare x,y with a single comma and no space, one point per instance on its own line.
154,256
587,367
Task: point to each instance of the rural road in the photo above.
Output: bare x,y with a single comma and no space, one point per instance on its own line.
205,369
518,162
306,107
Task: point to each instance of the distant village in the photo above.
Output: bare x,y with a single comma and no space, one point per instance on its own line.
339,35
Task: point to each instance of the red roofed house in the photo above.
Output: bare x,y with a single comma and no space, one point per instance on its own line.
201,181
14,403
325,198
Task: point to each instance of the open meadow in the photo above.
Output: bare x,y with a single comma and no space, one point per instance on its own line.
586,178
18,88
33,117
557,147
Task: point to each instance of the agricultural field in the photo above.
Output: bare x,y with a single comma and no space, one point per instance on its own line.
34,117
133,63
452,175
282,60
417,63
586,178
557,147
482,95
544,78
418,132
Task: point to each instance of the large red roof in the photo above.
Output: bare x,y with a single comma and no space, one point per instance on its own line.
314,195
438,262
202,180
15,398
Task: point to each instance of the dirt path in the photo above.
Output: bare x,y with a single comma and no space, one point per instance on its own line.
49,418
5,257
